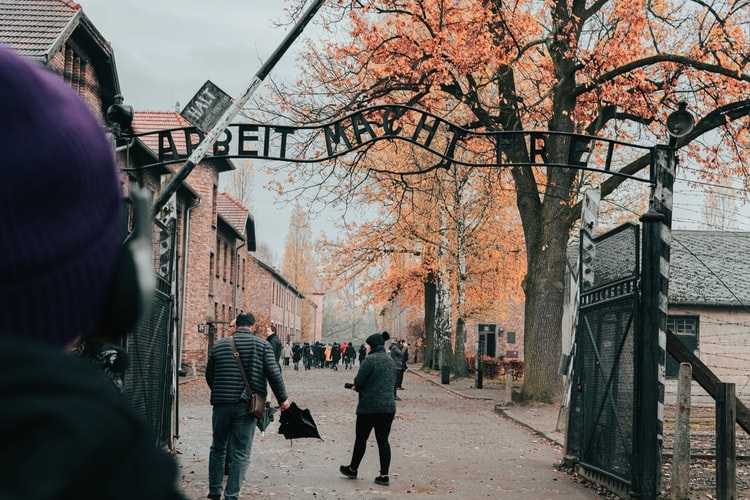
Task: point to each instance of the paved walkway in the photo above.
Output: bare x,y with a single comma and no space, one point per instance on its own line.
443,447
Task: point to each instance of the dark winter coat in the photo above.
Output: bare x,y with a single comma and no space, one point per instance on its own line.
223,373
362,353
397,356
405,360
375,380
273,339
66,432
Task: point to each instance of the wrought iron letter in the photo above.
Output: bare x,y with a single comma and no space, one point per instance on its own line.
284,131
334,136
390,115
221,147
578,147
430,128
360,125
170,150
189,144
242,132
535,150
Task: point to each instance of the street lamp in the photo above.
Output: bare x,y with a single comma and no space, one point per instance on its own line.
681,122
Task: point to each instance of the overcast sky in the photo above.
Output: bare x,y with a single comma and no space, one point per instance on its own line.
166,49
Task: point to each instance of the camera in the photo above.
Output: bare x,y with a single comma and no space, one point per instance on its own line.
348,386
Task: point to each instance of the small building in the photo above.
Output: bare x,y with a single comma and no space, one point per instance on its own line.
58,35
274,300
709,306
499,336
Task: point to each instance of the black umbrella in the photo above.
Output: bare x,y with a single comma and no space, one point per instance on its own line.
297,423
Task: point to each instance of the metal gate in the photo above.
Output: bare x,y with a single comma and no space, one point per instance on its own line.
148,380
602,412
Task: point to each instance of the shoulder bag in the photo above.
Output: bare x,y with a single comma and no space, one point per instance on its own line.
256,405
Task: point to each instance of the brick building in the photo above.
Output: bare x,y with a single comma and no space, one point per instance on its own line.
199,229
58,35
275,300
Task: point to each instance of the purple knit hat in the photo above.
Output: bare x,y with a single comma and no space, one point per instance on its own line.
60,207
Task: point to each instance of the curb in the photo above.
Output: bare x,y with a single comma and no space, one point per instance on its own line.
452,391
500,410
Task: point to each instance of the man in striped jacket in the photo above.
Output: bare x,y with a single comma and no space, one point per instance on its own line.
231,421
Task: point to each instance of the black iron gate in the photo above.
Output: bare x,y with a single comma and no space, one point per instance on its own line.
149,379
602,412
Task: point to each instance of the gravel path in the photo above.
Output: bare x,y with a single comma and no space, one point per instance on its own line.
443,447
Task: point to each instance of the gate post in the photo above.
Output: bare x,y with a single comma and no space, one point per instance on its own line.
651,343
646,449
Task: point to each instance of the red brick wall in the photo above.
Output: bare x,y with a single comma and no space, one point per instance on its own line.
258,298
198,307
76,68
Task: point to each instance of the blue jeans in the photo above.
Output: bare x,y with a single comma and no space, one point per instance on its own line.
231,424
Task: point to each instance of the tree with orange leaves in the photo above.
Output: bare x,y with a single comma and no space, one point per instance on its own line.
596,67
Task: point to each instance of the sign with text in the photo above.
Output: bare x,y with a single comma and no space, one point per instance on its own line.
327,141
207,106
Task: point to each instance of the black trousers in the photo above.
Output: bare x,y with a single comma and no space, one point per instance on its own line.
400,378
381,422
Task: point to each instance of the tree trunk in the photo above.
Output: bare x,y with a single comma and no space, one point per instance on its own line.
444,303
544,290
459,359
460,368
429,321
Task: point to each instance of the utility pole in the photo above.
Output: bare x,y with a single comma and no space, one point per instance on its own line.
208,141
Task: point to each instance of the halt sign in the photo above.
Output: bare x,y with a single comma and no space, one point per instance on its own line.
207,107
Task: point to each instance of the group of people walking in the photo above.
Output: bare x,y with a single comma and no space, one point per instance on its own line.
241,366
320,355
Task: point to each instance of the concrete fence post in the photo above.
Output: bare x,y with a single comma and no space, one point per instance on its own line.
726,416
508,386
681,457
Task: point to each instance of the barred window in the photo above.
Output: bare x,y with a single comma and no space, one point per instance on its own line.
686,329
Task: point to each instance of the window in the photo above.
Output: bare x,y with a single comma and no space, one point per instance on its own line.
211,274
223,317
231,271
230,314
218,255
226,251
686,329
511,338
243,273
216,311
215,195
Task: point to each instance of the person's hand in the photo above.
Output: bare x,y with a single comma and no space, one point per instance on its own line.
285,405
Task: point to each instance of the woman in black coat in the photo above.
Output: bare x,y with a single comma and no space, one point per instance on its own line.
376,408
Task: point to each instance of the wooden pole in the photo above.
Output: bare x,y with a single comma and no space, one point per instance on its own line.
681,458
726,479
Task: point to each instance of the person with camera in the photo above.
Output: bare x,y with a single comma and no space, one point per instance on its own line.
67,278
376,409
238,371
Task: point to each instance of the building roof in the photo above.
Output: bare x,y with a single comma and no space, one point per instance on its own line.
234,213
277,274
39,28
150,121
35,28
704,267
702,260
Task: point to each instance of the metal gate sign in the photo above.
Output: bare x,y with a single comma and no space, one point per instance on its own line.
207,106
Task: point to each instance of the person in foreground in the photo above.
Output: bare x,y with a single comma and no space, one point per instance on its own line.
232,424
66,431
376,409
